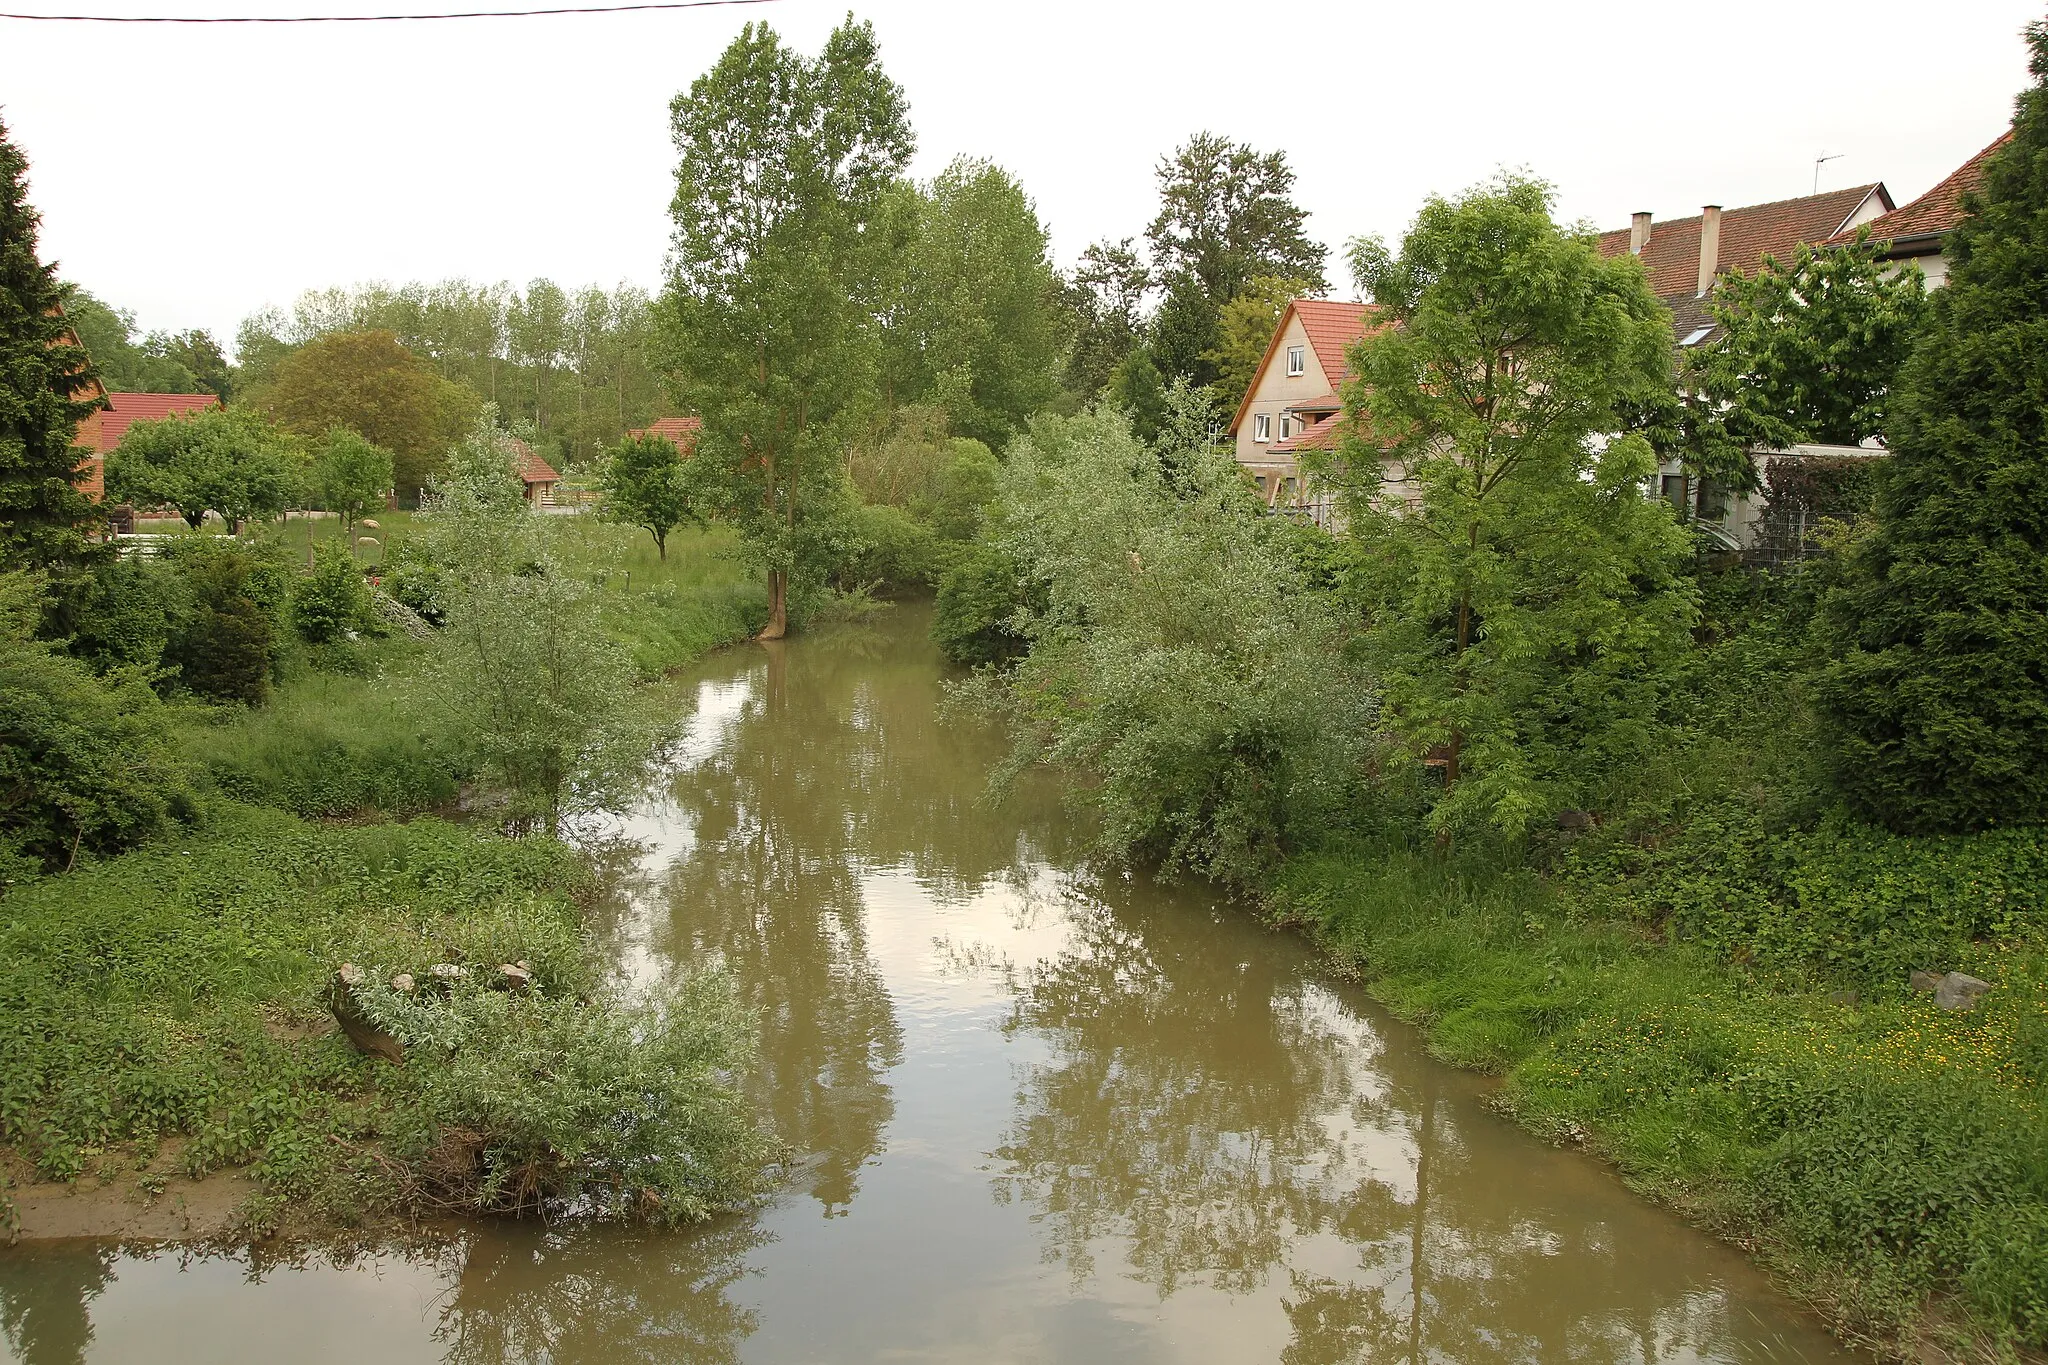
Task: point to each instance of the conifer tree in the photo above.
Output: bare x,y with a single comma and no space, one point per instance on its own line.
1938,695
46,389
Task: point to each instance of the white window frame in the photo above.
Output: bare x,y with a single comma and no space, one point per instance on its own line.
1297,361
1262,426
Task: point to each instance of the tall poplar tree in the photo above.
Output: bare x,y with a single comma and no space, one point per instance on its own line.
1938,694
47,388
768,318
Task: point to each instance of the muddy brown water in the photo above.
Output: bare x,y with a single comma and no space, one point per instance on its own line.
1043,1116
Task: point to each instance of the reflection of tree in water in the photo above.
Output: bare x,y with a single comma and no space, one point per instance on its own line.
836,765
1184,1107
1209,1109
599,1295
46,1295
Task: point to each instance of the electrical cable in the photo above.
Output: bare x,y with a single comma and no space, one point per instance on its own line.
377,18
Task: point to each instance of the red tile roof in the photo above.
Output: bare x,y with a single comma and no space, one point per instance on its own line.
1321,436
532,468
1672,255
1936,212
1331,328
681,432
103,430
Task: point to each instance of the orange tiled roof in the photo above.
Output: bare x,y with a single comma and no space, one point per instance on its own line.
681,432
532,468
1936,212
1672,255
103,430
1322,435
1331,328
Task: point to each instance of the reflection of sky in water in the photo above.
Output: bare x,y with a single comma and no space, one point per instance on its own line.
1039,1117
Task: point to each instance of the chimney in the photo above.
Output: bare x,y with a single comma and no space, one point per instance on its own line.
1638,233
1710,246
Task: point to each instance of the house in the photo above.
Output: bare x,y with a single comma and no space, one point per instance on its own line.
537,475
1916,232
1683,257
1294,402
101,431
680,432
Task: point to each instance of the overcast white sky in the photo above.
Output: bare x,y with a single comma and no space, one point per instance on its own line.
196,174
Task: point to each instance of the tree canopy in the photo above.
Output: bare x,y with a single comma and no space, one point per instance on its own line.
646,484
974,327
351,475
46,390
1810,347
1523,592
1226,217
229,461
768,320
370,384
1938,691
161,362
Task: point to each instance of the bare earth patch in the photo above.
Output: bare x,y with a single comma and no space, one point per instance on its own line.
147,1205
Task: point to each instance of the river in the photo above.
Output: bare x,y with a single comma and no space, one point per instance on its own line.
1043,1115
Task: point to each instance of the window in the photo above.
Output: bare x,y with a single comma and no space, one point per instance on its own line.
1286,426
1297,360
1262,427
1697,337
1672,489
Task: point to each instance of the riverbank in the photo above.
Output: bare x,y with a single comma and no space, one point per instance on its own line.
169,1057
1885,1157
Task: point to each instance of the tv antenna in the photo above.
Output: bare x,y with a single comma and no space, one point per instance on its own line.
1823,159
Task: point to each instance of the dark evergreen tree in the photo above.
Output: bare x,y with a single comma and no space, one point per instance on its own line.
46,388
1938,696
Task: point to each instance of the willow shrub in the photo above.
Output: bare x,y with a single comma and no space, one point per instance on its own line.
1178,665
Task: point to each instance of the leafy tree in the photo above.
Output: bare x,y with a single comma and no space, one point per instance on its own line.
976,330
87,764
370,384
537,325
1524,595
1139,389
525,673
979,601
351,476
224,460
45,392
646,484
1244,329
1811,347
768,318
162,362
1937,694
1226,217
1104,297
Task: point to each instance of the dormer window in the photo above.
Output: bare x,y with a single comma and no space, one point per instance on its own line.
1262,427
1297,360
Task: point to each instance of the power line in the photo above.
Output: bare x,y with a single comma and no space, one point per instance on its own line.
375,18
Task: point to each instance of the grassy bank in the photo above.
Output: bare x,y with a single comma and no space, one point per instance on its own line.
1790,1089
342,734
165,1014
171,1012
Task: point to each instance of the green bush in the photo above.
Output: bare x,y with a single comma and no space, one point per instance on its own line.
979,598
331,602
898,554
227,645
86,763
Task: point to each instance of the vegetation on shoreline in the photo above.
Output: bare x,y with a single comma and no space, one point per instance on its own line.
168,1011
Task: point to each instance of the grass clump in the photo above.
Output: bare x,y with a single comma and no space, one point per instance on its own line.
170,1005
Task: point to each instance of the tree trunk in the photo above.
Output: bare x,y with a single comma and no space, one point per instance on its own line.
778,606
661,546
